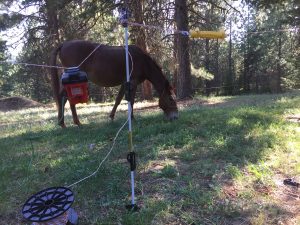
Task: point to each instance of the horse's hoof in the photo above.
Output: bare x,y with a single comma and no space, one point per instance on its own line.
112,117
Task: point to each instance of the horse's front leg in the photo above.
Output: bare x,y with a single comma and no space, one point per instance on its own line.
62,99
117,102
132,97
74,115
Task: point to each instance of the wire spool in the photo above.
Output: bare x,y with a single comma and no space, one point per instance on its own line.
50,206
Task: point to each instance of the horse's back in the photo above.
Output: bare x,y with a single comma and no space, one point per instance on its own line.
76,50
105,66
72,53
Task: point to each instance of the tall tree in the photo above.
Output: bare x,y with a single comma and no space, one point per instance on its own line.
140,40
183,56
5,85
230,75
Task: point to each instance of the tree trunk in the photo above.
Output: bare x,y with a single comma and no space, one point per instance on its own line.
140,41
52,22
175,63
279,70
184,70
207,67
246,79
52,30
229,82
218,78
246,76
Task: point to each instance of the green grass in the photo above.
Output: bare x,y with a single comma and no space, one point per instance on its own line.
211,166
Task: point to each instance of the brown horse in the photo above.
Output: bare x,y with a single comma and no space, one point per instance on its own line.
106,67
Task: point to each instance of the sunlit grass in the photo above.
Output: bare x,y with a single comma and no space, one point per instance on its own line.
213,165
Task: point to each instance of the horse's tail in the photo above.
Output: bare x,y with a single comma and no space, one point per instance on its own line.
54,74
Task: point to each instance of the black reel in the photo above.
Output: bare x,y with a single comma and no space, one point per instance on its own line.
48,204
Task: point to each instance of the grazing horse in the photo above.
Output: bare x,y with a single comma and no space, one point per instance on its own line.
105,66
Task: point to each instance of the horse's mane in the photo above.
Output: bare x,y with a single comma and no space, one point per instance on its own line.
153,64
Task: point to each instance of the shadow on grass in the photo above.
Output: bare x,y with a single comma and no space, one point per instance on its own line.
208,147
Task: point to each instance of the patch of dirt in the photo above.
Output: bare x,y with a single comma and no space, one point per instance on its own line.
17,103
283,204
288,197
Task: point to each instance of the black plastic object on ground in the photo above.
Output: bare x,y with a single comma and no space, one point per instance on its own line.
49,204
291,182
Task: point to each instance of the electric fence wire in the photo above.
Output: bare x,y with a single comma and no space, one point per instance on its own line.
47,66
13,62
183,32
100,164
88,56
30,64
50,66
273,31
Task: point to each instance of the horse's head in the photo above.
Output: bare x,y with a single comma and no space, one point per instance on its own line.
167,102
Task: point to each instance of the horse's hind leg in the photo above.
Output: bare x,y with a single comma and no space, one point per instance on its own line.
62,99
74,115
117,102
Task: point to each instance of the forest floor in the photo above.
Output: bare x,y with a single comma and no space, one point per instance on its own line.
225,163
